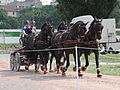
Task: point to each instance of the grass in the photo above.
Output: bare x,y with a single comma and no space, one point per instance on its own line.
118,33
109,58
7,44
10,34
106,69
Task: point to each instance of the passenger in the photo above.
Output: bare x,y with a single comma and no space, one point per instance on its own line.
33,27
102,49
26,31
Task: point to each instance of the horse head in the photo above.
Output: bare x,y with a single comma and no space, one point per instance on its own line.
79,28
62,26
47,29
96,28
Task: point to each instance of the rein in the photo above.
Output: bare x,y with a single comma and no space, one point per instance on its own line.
41,42
70,42
92,42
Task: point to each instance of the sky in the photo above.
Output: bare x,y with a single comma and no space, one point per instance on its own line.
44,2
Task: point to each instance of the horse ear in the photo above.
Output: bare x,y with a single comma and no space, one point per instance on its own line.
101,19
95,18
86,23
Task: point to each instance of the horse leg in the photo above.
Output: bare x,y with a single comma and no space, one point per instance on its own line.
64,69
97,63
62,63
86,62
74,55
35,59
58,63
46,56
79,65
51,60
37,65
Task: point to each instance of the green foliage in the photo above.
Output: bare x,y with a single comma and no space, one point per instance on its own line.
116,14
9,44
118,33
5,25
7,22
3,15
97,8
41,15
10,34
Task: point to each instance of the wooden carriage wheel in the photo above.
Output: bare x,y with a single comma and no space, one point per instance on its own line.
12,58
17,61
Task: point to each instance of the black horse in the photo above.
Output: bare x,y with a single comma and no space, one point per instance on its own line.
91,41
42,41
61,28
65,40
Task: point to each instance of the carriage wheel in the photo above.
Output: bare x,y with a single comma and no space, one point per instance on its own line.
12,58
17,61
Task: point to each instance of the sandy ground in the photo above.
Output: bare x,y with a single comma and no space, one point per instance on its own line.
29,80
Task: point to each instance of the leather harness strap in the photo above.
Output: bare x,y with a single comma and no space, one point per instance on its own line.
40,42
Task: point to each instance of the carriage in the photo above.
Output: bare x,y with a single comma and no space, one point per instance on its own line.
77,35
28,55
19,58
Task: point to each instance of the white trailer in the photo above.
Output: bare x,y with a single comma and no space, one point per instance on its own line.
108,33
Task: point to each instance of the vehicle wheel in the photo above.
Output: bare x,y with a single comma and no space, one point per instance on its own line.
17,61
12,58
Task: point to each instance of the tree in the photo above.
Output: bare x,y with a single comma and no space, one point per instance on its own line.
41,15
97,8
3,15
116,14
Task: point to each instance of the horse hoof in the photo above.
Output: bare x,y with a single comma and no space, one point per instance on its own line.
80,74
58,72
45,72
63,74
42,68
74,69
99,76
36,71
83,68
26,68
50,71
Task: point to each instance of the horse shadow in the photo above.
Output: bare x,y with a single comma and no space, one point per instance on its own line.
34,76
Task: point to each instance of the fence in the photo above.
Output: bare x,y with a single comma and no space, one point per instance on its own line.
10,35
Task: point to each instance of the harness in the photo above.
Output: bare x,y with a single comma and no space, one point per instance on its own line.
41,42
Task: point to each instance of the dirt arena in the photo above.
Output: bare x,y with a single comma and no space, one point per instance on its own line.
29,80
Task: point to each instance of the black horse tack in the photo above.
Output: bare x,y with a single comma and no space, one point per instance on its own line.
77,35
65,40
42,41
91,41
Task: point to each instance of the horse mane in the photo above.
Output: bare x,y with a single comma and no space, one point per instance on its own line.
61,24
76,25
42,27
91,25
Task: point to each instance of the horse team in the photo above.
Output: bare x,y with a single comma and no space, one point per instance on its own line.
60,44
